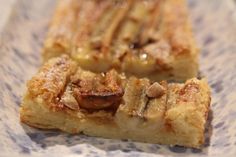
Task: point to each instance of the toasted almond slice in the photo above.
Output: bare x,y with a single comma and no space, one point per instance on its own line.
155,90
68,99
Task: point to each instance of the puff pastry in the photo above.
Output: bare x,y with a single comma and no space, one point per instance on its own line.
63,96
143,38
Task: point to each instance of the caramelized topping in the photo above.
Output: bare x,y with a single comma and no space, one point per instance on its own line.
99,92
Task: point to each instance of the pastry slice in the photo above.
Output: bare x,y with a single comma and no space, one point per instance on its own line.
63,96
142,38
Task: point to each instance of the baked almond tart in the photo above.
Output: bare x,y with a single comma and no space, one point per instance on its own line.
112,105
144,38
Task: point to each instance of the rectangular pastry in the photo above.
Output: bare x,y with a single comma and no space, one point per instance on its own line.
143,38
63,96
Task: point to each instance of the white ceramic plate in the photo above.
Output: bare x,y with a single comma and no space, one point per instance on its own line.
214,24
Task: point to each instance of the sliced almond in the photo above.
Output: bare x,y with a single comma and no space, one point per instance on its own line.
69,100
155,90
